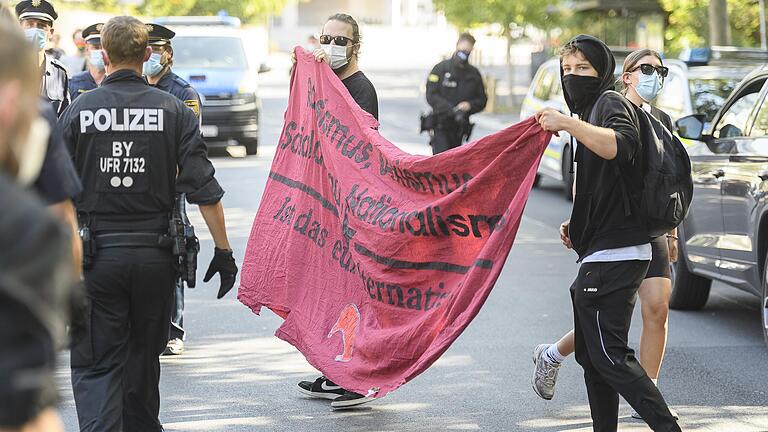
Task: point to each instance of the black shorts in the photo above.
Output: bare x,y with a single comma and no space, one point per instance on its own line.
659,266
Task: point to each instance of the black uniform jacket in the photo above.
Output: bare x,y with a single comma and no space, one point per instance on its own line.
135,147
80,83
451,82
180,88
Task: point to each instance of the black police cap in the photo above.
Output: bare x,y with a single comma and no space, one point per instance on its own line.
92,33
36,9
159,35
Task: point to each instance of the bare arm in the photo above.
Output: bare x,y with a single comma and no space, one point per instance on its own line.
214,217
65,212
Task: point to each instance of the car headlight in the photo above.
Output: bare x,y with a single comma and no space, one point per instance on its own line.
248,85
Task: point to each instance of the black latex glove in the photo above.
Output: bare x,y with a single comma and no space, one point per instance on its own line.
223,263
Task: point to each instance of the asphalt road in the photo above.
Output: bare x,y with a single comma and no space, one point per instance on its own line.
236,376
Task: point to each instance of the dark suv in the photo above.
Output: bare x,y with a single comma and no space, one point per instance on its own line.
725,236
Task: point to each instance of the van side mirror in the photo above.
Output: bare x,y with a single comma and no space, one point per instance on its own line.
691,127
264,68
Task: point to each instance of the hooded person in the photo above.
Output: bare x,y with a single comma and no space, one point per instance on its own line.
612,244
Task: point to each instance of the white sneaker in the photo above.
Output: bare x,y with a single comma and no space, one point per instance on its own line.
175,347
544,373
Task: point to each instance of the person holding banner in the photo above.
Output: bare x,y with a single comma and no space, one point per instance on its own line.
339,48
654,292
614,249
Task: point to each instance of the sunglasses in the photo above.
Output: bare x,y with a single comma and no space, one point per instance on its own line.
647,69
338,40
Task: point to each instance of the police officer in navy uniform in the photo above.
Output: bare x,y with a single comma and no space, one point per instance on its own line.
37,17
455,91
158,69
159,74
136,148
94,74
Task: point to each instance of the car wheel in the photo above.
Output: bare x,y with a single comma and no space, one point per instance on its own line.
567,174
689,291
764,310
251,147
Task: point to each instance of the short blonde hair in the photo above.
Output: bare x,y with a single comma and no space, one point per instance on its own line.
125,38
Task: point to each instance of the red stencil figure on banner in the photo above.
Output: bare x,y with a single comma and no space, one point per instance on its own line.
347,324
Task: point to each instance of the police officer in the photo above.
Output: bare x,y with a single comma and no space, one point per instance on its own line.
454,91
37,17
159,74
90,78
135,148
158,68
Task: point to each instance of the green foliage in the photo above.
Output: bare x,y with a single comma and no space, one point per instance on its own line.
468,13
246,10
689,23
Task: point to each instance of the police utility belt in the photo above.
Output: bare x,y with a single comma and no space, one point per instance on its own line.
179,237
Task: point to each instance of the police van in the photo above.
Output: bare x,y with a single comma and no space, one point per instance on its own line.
216,57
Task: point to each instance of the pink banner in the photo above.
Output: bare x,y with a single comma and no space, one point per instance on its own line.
378,259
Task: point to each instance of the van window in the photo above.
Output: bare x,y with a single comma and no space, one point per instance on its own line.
544,85
191,52
672,96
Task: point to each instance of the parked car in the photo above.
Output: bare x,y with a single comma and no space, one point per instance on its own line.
211,54
725,236
702,79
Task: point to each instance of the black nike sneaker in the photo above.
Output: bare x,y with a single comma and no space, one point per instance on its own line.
321,388
350,399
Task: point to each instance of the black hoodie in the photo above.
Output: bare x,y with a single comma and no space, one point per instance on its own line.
599,219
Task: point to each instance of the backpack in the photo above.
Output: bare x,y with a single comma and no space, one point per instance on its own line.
667,190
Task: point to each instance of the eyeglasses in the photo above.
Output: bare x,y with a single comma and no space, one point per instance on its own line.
650,69
338,40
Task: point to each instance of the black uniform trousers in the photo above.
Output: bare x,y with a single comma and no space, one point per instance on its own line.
445,136
603,297
115,364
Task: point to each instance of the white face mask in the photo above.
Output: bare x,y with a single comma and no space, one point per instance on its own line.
31,154
338,55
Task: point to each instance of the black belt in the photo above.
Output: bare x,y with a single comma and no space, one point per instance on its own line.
114,240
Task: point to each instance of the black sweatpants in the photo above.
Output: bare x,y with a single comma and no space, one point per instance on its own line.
445,137
115,363
603,296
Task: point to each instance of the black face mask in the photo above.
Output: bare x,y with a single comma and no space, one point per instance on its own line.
580,91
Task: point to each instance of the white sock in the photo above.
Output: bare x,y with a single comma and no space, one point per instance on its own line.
655,381
553,355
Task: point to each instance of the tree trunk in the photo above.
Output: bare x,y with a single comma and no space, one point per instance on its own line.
719,28
510,71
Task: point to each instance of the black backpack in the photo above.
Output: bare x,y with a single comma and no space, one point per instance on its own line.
667,190
667,183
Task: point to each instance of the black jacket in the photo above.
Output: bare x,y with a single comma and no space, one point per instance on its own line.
177,86
35,286
451,82
598,219
128,141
